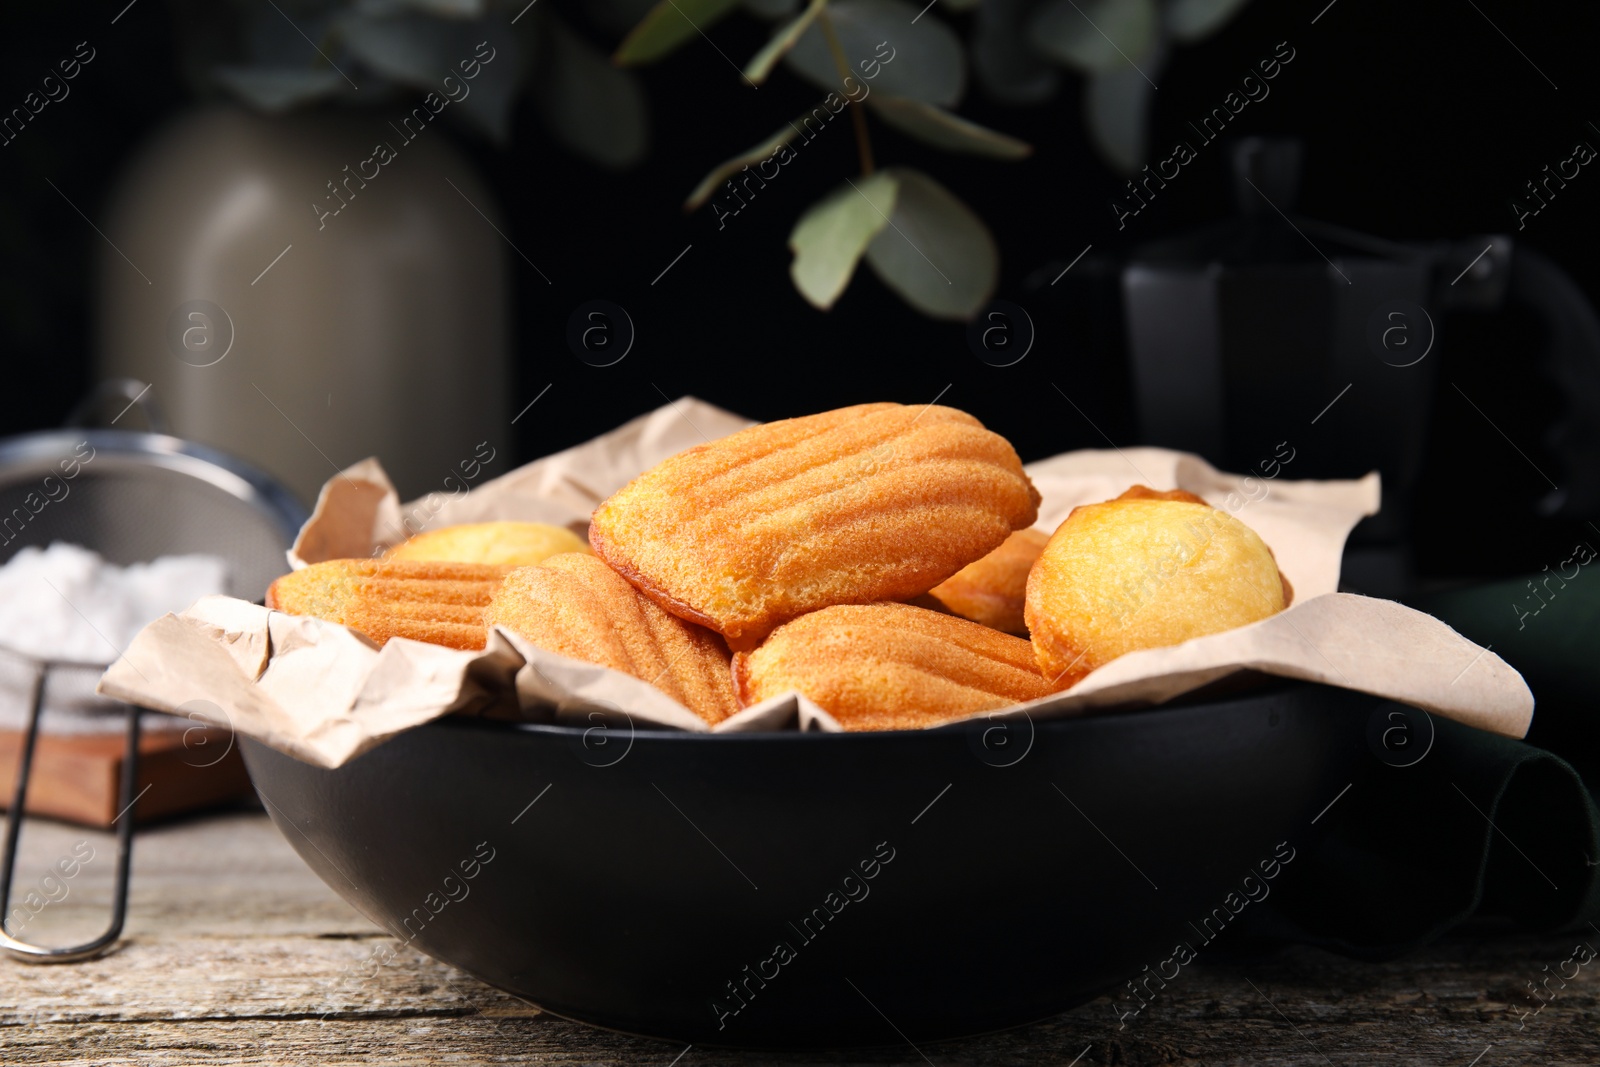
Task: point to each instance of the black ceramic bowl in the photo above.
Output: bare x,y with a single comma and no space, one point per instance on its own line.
787,889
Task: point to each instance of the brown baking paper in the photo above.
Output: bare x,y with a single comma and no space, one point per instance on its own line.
325,694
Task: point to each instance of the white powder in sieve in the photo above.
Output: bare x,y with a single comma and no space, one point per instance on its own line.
66,603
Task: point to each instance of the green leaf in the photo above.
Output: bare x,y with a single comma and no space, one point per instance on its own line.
492,95
781,42
935,252
421,51
831,236
274,89
1117,112
592,107
1094,35
938,127
886,52
722,171
669,24
1009,68
1193,20
405,47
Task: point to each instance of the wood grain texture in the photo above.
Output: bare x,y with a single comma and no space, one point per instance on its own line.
237,954
78,777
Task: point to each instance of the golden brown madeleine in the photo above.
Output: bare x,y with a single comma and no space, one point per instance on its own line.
866,503
441,603
511,544
890,666
1144,572
1144,492
575,605
991,590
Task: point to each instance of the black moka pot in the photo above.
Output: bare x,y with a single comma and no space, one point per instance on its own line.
1246,335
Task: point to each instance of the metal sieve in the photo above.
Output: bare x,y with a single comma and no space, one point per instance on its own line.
130,496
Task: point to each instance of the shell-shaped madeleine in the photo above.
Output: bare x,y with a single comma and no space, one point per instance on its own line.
890,666
991,591
574,605
862,504
441,603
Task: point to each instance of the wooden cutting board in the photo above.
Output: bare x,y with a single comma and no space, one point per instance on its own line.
78,777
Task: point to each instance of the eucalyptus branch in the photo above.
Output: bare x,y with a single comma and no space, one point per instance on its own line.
857,115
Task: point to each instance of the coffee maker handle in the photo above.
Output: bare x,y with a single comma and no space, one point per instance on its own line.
1572,358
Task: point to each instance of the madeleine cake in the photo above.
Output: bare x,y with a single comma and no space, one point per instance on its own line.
866,503
441,603
1144,571
513,544
991,590
890,666
574,605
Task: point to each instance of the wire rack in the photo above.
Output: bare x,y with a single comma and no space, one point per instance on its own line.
14,946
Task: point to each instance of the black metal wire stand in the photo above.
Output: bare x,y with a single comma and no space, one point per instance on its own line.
23,950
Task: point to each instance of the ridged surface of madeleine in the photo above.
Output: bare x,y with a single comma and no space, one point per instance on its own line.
865,503
890,666
991,590
574,605
441,603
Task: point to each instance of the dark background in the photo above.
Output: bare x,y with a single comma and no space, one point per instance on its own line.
1420,122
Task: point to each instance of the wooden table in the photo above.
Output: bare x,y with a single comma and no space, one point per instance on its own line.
237,954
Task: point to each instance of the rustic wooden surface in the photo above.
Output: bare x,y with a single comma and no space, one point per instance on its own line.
78,777
237,954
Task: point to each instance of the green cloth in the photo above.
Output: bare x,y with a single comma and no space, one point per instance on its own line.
1410,851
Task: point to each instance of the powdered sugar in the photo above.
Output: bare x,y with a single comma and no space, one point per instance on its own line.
66,603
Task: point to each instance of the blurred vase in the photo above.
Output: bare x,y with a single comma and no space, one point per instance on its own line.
299,302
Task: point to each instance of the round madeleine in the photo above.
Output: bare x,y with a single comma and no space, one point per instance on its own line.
512,544
1144,571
